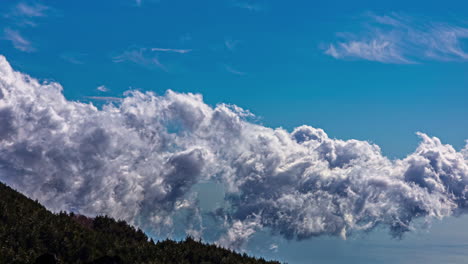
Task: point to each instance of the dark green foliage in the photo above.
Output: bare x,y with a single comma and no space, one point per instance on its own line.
28,230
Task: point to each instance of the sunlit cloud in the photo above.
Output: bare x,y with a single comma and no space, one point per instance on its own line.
138,158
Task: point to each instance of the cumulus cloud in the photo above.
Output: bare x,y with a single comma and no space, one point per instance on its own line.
400,39
139,159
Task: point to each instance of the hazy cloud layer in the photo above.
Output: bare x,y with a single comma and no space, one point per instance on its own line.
400,39
138,160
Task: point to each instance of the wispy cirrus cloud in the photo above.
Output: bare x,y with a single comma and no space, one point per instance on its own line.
231,44
230,69
31,10
180,51
147,57
74,57
140,3
17,40
142,56
25,13
401,39
251,5
20,15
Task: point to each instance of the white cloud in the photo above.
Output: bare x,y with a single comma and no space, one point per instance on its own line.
102,88
181,51
105,98
399,39
17,40
31,10
138,160
274,247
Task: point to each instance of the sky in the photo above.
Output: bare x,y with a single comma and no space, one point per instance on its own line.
377,72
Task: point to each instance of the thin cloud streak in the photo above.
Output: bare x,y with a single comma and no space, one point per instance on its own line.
233,71
248,5
74,58
105,98
34,10
402,40
102,88
17,40
140,57
181,51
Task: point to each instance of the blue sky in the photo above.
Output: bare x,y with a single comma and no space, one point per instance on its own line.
368,70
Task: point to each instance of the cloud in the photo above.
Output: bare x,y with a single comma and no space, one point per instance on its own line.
139,159
74,57
17,40
25,13
104,98
31,10
231,44
233,71
400,39
148,57
253,6
141,57
102,88
274,247
181,51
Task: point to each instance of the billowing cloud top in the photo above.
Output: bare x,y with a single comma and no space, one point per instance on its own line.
138,160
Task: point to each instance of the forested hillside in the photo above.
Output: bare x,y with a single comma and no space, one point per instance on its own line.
28,230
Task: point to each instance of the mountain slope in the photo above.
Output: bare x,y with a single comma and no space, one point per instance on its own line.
28,230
